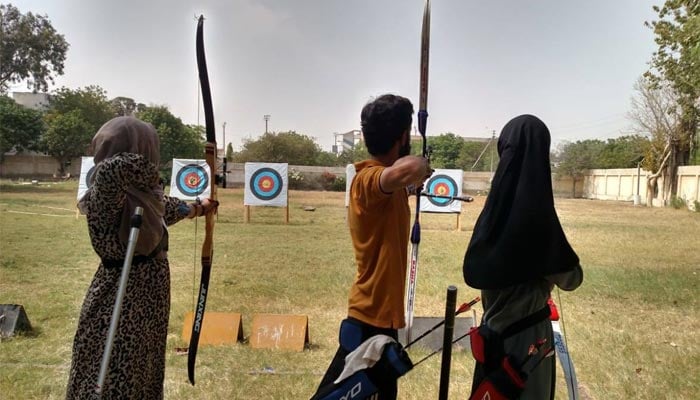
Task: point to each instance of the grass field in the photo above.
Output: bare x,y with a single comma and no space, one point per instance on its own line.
632,328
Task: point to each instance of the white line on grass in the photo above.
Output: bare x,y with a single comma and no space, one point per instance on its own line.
45,215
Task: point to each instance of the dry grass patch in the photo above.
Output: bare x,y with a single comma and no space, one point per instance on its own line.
632,327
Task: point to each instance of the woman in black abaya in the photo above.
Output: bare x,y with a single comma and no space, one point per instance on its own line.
518,250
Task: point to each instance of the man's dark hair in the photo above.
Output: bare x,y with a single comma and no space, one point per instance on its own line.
384,120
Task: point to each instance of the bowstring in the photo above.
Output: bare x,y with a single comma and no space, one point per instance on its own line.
196,224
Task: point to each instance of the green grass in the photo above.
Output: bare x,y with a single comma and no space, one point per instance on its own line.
632,327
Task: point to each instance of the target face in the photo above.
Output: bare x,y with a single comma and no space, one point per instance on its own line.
441,185
266,184
89,177
87,172
192,180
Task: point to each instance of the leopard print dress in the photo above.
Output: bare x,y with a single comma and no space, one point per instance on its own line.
137,365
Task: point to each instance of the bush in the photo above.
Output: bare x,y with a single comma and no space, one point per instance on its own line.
316,181
678,202
327,180
338,184
296,180
696,204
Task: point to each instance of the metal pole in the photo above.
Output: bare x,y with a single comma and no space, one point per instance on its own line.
225,157
493,139
131,247
638,176
266,117
447,342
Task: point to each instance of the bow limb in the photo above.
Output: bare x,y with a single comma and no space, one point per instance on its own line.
208,244
562,348
422,122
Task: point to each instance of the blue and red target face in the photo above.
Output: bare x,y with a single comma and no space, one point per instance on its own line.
441,185
192,180
266,183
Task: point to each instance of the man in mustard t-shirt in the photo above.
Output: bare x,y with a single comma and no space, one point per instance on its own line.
379,221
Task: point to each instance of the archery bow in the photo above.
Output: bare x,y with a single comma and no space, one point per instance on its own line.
207,245
422,121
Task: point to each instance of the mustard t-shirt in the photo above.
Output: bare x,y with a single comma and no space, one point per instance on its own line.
379,228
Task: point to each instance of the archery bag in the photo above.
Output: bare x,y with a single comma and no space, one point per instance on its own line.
393,363
501,380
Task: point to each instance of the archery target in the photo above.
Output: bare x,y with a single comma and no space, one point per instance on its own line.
87,169
265,184
443,182
349,176
190,179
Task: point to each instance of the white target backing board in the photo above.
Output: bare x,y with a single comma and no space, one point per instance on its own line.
87,167
349,176
443,182
190,179
266,184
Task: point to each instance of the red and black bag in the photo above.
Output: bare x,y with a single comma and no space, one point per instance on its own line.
501,379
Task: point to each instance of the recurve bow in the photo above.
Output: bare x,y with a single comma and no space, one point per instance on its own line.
208,244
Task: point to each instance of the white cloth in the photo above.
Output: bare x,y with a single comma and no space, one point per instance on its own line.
364,356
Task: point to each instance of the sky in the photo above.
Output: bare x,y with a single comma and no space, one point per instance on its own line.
312,64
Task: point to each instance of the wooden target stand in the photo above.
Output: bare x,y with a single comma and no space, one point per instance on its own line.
217,329
280,332
269,331
458,222
246,213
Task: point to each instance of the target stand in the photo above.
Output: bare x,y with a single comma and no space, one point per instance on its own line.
218,328
446,183
266,184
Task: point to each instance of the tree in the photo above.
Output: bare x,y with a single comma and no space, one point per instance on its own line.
623,152
572,159
478,156
229,152
125,106
357,153
77,114
656,113
30,48
675,64
20,127
68,136
91,101
327,159
177,140
290,147
446,149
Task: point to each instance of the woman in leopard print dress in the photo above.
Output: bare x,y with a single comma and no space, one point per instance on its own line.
126,175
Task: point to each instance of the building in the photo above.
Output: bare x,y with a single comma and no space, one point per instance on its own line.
346,141
35,101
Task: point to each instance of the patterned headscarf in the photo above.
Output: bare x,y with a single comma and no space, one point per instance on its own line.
130,135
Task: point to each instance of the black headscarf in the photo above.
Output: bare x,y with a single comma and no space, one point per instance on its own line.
518,237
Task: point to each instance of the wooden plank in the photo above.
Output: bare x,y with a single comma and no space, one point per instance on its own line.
218,328
280,331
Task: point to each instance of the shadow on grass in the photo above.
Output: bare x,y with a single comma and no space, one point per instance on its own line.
18,335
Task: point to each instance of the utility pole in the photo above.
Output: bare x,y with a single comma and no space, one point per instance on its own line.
225,157
493,141
266,117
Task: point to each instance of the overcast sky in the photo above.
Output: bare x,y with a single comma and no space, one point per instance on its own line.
312,64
